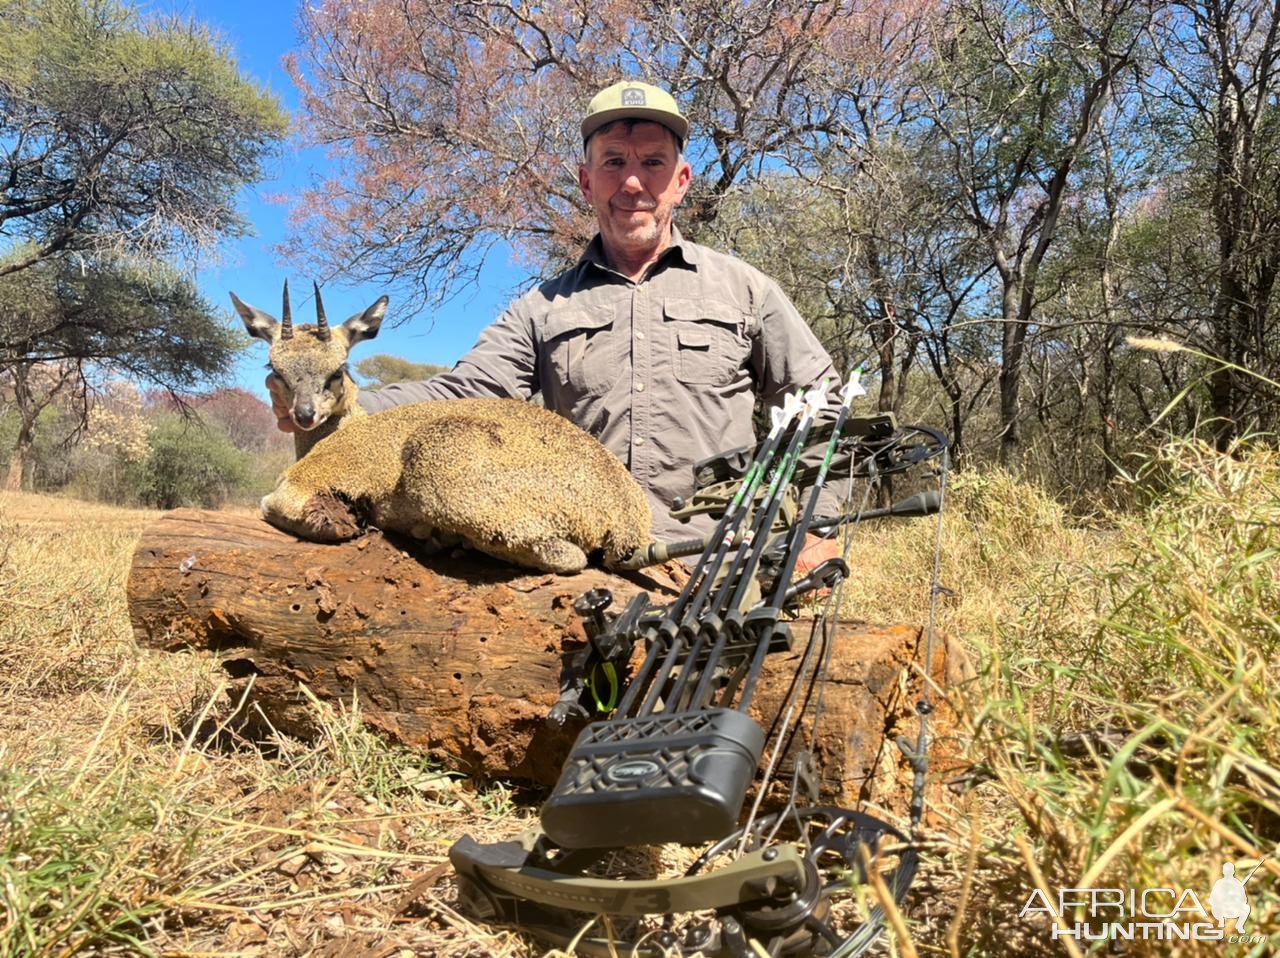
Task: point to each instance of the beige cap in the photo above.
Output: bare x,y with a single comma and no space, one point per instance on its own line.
632,99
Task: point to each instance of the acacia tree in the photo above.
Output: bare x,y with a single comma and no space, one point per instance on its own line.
121,134
869,257
121,138
382,369
31,389
456,128
64,324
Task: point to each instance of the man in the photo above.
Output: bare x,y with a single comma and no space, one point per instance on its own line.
651,343
1228,899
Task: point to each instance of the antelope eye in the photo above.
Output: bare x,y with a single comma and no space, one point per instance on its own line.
333,380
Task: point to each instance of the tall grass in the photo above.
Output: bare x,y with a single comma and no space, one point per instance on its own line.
1130,716
1122,718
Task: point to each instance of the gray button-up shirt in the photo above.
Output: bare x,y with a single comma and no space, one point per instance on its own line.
664,371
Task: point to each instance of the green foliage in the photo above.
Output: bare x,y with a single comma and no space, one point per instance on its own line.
124,131
162,459
246,418
126,138
383,369
143,320
264,472
47,461
190,465
65,326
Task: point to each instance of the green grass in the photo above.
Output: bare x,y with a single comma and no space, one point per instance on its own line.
67,863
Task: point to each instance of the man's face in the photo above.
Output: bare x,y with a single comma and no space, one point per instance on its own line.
633,180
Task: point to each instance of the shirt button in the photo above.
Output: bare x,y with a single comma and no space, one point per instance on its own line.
639,334
638,441
639,387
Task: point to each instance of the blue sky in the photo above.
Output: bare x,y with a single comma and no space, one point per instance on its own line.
260,34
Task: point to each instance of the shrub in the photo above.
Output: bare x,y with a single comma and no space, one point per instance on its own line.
46,460
191,465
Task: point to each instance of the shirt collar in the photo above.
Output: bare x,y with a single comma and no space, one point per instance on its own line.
681,250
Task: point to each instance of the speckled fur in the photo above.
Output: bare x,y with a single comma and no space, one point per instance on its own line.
508,478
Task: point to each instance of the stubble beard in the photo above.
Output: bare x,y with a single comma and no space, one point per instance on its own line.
644,235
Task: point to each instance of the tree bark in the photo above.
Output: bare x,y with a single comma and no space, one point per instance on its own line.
26,429
13,479
461,656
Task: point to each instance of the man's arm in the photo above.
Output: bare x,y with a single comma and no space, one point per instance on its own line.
787,356
502,364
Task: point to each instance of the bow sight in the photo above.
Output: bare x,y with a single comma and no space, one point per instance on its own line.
675,752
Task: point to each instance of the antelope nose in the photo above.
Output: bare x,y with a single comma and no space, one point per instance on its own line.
304,416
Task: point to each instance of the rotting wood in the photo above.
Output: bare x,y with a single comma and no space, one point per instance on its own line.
461,656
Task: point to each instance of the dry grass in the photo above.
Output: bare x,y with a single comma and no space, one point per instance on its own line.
1122,718
1124,712
1124,709
1001,540
120,831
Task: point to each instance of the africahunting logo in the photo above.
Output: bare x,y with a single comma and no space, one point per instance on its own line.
1150,914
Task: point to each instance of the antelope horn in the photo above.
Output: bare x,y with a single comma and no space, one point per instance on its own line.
322,325
286,318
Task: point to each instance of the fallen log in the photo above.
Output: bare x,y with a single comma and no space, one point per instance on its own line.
461,656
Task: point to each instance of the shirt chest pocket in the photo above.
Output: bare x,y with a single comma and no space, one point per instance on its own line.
706,340
582,349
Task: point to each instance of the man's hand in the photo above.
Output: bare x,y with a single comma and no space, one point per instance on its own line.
815,552
280,404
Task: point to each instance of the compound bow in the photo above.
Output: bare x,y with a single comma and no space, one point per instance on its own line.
676,753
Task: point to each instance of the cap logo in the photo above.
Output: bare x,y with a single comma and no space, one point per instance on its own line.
632,96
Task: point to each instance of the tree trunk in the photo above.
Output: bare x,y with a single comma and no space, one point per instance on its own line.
1013,337
462,657
13,479
17,461
29,409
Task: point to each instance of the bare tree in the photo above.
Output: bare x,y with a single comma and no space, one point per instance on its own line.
456,125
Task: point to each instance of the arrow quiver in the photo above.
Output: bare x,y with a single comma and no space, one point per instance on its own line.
674,751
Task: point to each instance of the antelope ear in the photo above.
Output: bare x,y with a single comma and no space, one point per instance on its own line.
259,324
365,325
